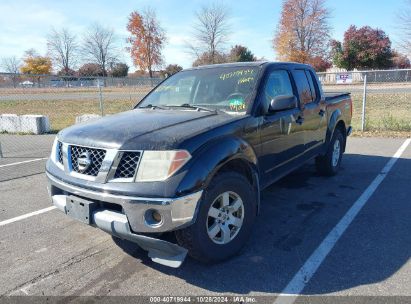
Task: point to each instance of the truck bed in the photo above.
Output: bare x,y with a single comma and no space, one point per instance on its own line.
334,95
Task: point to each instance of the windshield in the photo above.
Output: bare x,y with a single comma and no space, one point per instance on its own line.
228,89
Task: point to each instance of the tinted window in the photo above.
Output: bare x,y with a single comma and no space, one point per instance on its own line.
278,83
303,86
312,87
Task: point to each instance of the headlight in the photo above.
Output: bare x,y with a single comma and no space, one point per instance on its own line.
160,165
53,155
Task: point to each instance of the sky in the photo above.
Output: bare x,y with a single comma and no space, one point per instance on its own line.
25,24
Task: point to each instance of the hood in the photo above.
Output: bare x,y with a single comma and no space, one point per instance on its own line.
143,129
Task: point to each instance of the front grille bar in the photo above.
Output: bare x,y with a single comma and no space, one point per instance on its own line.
108,168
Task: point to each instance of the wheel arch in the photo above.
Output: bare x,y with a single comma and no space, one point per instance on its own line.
224,154
336,122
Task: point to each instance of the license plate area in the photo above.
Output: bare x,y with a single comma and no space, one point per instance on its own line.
80,209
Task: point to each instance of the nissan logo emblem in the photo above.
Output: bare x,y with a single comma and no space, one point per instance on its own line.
84,161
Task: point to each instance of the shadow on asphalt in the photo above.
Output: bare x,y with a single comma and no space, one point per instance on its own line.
296,214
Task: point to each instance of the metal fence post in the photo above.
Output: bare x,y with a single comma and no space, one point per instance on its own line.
364,101
100,97
1,152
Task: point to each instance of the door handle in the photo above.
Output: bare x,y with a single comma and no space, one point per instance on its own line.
299,120
321,113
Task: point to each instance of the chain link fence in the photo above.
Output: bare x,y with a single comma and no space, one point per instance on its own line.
382,102
381,99
27,100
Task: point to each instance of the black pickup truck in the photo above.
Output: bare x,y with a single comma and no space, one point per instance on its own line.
192,157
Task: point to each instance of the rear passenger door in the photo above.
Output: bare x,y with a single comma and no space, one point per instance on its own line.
313,109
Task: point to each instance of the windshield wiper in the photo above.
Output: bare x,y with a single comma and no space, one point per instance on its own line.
189,106
150,106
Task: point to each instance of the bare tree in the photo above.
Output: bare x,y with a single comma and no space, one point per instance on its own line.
405,27
62,47
211,31
11,65
99,46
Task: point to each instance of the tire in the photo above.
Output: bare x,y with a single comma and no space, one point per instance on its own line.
329,164
196,239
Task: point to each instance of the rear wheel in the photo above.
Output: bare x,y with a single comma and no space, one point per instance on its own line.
330,163
226,214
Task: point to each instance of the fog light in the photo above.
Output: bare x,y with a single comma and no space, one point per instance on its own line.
153,218
156,216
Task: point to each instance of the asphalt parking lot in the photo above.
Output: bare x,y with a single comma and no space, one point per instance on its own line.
51,254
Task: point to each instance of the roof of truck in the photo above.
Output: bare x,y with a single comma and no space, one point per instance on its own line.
247,64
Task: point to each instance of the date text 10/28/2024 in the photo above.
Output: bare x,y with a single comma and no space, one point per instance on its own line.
203,299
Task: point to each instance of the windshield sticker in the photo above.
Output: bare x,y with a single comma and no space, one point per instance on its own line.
239,73
237,105
245,80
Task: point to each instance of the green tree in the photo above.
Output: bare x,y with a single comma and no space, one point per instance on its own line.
171,69
241,53
119,70
210,58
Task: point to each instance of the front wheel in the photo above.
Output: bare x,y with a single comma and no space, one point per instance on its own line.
329,164
224,220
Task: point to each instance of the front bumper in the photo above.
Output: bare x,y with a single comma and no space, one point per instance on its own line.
176,213
130,218
116,224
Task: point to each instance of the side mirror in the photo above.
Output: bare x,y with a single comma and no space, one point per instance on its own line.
283,102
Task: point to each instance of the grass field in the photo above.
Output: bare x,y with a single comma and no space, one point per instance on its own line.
386,111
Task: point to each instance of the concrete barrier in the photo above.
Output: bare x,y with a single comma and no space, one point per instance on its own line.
35,124
86,117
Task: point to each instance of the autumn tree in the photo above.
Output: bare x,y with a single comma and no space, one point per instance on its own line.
99,46
90,69
36,65
119,70
62,48
363,48
211,32
11,65
320,64
303,32
239,53
147,39
400,61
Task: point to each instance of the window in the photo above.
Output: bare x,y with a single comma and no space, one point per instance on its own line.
303,86
312,86
181,91
278,83
228,89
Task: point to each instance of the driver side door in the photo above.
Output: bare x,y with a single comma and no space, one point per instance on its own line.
282,137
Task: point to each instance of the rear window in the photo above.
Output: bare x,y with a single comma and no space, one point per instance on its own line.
312,86
303,86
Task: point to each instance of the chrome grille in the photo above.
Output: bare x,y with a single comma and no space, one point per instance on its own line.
96,157
128,165
60,152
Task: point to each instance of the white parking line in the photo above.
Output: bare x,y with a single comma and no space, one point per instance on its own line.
306,272
27,215
22,162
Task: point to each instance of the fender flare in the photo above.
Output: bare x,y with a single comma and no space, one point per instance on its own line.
335,118
212,157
